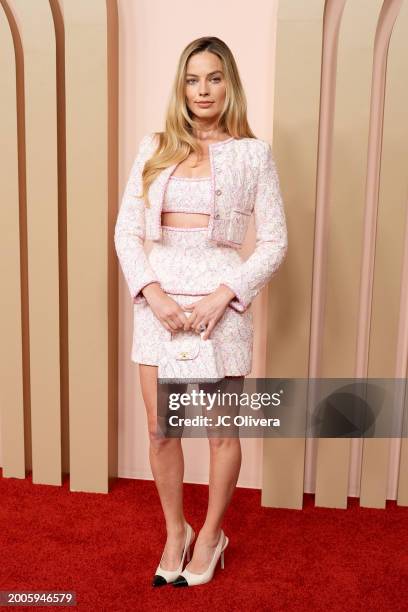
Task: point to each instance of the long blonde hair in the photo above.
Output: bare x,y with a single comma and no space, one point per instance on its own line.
177,141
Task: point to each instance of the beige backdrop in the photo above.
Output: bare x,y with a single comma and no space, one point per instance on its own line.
81,84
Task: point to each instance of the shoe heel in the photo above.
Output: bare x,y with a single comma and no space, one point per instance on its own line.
222,552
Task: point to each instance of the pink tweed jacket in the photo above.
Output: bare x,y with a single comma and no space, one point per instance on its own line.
244,182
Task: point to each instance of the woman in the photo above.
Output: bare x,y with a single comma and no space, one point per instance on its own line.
192,190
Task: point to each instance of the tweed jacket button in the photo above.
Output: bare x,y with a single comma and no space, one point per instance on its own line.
217,215
218,192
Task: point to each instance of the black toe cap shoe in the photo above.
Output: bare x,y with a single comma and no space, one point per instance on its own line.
158,580
180,581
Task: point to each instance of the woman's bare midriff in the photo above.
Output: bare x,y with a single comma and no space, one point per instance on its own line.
186,220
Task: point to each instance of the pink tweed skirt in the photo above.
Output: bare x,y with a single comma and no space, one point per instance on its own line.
189,266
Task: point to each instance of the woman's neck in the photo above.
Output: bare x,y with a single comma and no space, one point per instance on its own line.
209,133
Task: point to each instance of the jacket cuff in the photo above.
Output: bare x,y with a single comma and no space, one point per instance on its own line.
238,302
251,277
139,298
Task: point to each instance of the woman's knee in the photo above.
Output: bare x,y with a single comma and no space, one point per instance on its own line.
217,443
159,442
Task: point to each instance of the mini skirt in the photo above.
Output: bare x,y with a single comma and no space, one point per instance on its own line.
188,266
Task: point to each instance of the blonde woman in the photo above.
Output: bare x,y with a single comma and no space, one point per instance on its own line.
192,190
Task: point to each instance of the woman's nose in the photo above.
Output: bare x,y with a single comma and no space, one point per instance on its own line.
203,89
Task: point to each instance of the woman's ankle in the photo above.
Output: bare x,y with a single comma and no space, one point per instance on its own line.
210,534
176,529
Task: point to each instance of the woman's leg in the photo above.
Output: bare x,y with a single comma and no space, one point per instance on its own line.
225,465
167,464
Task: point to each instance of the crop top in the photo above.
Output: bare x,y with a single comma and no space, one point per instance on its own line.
184,194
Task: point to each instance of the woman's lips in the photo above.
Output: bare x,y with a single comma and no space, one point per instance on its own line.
204,104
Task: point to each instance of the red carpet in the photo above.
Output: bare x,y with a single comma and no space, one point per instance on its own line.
106,548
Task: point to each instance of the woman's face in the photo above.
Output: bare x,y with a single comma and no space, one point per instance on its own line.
205,82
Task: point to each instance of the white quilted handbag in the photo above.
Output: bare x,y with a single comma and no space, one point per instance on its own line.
187,357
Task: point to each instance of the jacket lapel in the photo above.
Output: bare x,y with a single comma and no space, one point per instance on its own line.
156,195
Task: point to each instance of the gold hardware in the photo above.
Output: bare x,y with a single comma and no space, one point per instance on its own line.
184,355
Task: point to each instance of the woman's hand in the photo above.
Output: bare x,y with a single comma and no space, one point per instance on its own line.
169,313
208,310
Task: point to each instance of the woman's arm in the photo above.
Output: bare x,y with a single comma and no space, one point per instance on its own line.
130,228
271,238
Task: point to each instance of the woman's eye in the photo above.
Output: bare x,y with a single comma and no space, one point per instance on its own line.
190,81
